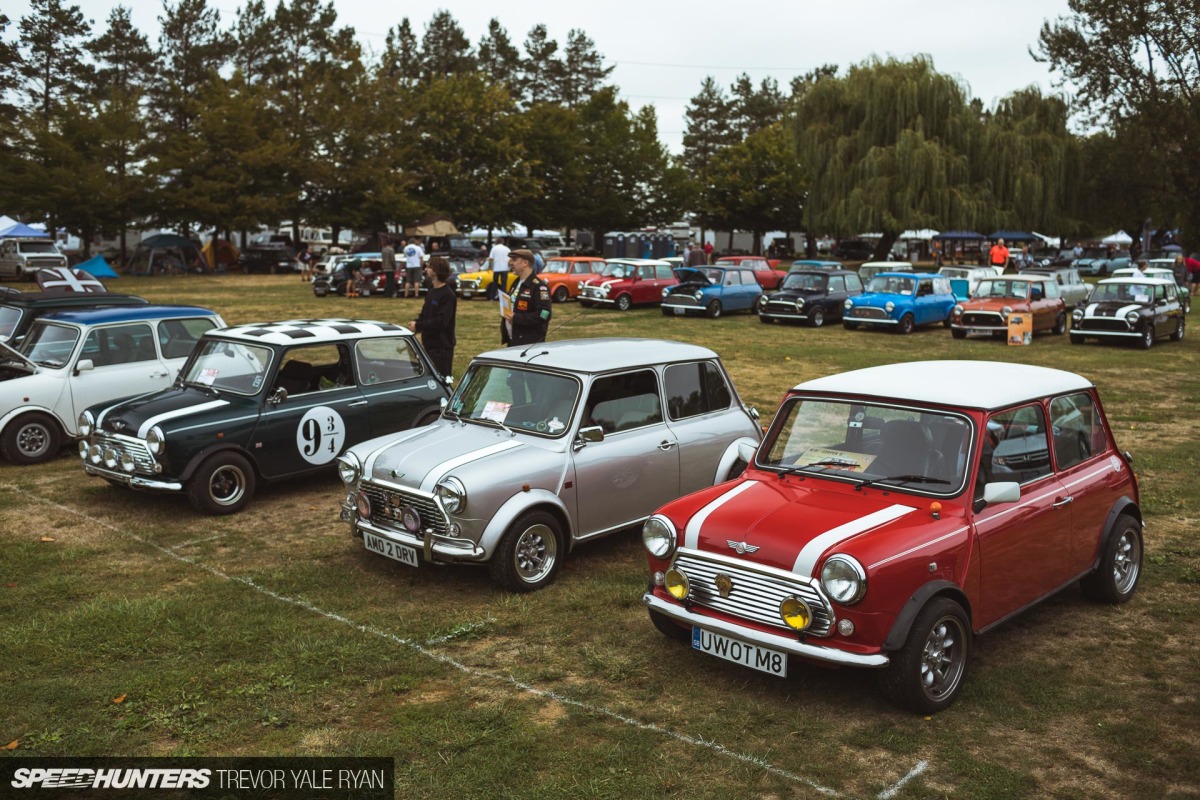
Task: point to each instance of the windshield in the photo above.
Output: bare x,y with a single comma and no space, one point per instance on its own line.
229,366
50,345
616,270
540,403
954,272
925,451
557,267
37,247
805,282
9,317
1017,289
1121,292
891,285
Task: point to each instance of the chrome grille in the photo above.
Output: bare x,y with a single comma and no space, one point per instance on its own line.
1104,324
781,307
386,505
867,312
136,448
756,593
592,291
983,318
680,300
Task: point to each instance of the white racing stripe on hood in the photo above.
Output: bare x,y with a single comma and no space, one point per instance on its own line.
691,536
1120,313
179,412
441,470
369,466
807,560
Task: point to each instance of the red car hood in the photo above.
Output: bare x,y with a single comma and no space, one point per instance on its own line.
790,524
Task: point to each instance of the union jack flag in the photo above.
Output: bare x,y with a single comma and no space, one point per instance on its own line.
68,280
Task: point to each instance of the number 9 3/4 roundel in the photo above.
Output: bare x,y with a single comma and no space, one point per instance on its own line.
320,435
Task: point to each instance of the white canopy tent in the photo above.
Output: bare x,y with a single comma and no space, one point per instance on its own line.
1120,238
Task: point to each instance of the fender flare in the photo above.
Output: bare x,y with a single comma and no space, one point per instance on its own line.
898,635
517,505
1124,504
736,449
194,463
21,411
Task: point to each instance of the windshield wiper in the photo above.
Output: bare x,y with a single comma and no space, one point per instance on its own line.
53,363
495,422
897,479
204,387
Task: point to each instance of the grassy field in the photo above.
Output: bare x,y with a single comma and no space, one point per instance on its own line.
273,632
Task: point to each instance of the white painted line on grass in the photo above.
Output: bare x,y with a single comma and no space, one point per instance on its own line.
173,548
300,602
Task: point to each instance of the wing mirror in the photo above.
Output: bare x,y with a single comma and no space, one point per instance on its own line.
586,436
277,396
1001,492
84,365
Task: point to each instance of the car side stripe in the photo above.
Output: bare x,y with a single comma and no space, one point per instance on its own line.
691,536
807,559
179,412
437,473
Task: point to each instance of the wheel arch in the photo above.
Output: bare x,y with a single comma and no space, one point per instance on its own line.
898,635
199,458
1123,505
521,503
21,411
730,457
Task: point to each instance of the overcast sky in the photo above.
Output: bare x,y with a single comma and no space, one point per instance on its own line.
663,49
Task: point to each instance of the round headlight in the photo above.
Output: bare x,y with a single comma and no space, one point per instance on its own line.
127,462
658,534
958,309
666,291
110,458
363,505
1132,318
1004,312
581,286
889,306
83,449
699,295
849,304
795,613
1077,314
677,584
799,303
349,468
844,579
85,423
453,495
155,440
762,300
604,289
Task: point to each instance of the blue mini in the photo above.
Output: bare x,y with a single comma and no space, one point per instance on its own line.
711,291
901,301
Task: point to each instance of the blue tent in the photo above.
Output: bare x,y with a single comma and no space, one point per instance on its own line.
956,236
1014,236
22,230
97,267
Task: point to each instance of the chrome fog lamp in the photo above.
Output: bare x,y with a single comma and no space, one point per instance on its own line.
127,463
844,579
83,449
362,504
155,440
795,613
86,422
94,454
110,458
349,468
452,494
677,584
659,536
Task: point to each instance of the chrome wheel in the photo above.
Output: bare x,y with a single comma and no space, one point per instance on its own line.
527,557
30,439
1127,562
817,318
535,553
227,485
943,659
33,440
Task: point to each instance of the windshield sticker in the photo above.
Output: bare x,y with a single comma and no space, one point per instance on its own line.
207,376
258,381
835,459
554,425
495,410
906,292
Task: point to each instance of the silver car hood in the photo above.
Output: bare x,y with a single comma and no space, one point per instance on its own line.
420,458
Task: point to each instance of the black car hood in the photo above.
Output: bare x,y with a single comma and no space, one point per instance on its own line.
175,405
1113,308
798,294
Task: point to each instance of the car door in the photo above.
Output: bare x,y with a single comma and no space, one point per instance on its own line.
124,363
394,381
635,469
1166,309
323,411
1024,546
834,297
750,289
702,416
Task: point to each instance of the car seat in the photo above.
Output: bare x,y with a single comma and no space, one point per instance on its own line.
296,377
907,450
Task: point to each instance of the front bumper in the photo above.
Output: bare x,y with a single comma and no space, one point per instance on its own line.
133,481
1119,334
683,307
588,298
772,641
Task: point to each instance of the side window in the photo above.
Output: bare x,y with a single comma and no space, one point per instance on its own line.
664,272
853,283
1051,289
623,402
386,360
317,368
733,277
120,344
694,389
1078,433
1015,447
177,337
837,284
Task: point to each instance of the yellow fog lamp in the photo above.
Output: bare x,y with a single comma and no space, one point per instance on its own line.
677,584
795,613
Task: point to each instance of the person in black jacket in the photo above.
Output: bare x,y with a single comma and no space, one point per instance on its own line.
530,307
436,320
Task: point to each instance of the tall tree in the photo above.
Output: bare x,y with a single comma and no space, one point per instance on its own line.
541,69
752,109
498,57
8,114
583,71
401,61
708,133
758,185
255,42
445,48
52,68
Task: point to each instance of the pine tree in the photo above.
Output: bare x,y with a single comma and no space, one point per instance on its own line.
583,70
51,68
540,69
498,58
445,48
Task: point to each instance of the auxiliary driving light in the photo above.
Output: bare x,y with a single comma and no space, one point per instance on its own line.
677,584
795,613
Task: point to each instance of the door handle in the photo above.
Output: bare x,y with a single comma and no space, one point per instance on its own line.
357,403
1063,501
158,374
666,444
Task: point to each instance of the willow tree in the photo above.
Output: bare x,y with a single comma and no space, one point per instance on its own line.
888,147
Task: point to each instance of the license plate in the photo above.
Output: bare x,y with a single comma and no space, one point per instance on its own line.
748,655
977,330
393,550
678,311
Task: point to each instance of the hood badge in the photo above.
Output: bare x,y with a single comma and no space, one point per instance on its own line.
118,425
741,548
395,474
724,584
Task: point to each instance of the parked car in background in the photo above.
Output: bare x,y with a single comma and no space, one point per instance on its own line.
74,359
854,250
812,296
263,402
872,268
1118,259
18,310
764,271
544,448
972,276
1137,310
1167,269
478,283
627,282
999,297
458,267
1054,258
355,273
1071,285
271,253
1092,262
815,263
563,275
890,515
901,301
711,291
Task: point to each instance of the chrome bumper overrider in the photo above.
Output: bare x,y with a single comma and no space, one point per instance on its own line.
433,548
133,481
773,641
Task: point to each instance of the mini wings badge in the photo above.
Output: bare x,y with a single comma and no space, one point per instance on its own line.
741,548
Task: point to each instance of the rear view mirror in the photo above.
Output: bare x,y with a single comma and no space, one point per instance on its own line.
1002,492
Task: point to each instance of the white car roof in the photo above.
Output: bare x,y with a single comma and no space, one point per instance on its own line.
961,384
892,265
1147,281
306,331
600,355
636,261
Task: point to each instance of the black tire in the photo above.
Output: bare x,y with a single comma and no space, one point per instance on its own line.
223,484
765,320
946,323
1060,325
561,294
586,303
907,325
958,334
666,312
736,469
31,439
817,317
669,628
624,302
926,674
1115,578
1147,339
529,554
850,326
1180,326
713,309
492,292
